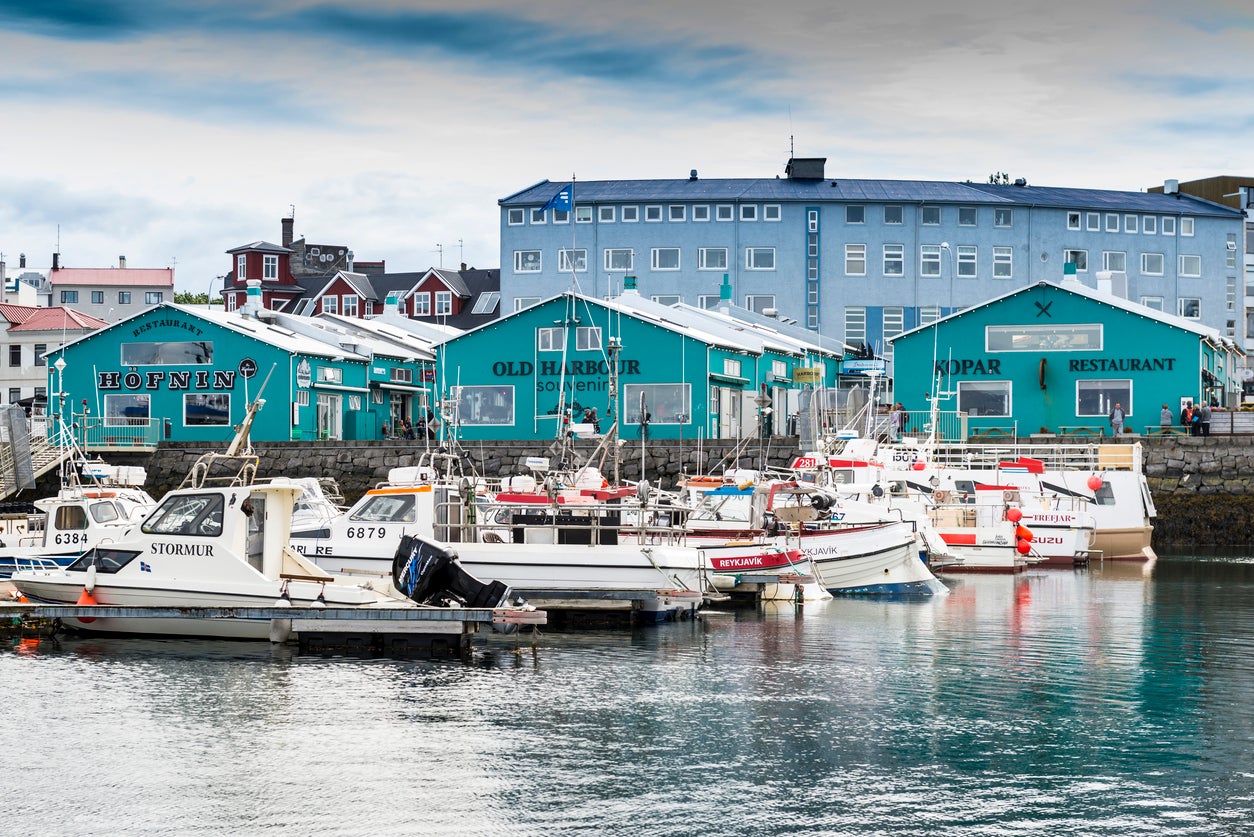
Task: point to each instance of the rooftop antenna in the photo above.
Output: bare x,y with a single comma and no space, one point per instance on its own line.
439,248
461,252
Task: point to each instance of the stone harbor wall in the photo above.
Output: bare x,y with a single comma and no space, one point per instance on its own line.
1203,487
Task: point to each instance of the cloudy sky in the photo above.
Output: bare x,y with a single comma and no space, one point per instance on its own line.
170,131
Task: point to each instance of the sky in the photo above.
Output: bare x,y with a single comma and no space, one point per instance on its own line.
170,131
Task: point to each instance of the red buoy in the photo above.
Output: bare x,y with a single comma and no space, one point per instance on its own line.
1095,482
1014,515
86,599
1024,547
1023,533
918,465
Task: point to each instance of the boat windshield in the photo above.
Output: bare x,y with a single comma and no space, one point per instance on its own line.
105,560
725,507
106,511
387,508
187,514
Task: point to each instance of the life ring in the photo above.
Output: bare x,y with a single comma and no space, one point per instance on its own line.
941,496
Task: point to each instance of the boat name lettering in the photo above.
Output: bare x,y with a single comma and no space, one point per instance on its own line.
365,532
71,537
728,563
177,379
204,550
1046,539
992,366
1124,364
1046,517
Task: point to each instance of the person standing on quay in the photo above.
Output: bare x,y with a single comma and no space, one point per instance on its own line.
1165,418
1186,417
1204,412
1116,420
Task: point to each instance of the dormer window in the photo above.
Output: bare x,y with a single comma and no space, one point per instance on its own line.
241,262
269,267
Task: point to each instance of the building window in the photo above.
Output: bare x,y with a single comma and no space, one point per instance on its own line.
1003,217
1097,397
15,395
1093,221
759,258
667,299
229,300
124,297
724,212
1190,266
588,339
350,306
443,303
269,267
984,398
893,214
929,314
748,212
701,213
1130,223
1003,262
1112,222
561,216
69,297
1186,226
631,214
1149,225
708,302
153,297
514,217
759,302
206,409
1190,307
526,261
41,349
15,355
1169,226
616,259
537,215
967,261
330,305
521,302
550,339
664,258
930,260
422,304
1152,264
572,261
241,263
930,216
485,405
894,324
1079,258
676,212
731,367
1115,261
855,214
665,403
966,216
894,259
855,324
400,375
605,214
1152,302
1073,220
653,214
771,212
1231,258
855,260
370,308
712,258
1078,337
125,410
583,215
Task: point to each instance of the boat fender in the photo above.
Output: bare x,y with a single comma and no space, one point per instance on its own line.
90,583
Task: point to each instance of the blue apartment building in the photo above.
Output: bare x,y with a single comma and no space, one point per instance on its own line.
865,260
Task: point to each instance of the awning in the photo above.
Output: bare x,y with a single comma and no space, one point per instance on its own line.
728,379
401,387
339,387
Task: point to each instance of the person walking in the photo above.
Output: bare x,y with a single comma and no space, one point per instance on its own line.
1204,413
1116,420
1165,419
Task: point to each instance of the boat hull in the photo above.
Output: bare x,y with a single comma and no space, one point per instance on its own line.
871,561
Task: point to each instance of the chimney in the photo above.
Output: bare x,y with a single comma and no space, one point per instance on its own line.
805,168
725,295
252,302
692,175
1171,187
288,224
21,260
122,262
629,286
56,261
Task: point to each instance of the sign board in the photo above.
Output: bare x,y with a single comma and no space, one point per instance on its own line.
807,375
863,367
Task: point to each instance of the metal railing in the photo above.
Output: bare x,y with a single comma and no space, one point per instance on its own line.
94,433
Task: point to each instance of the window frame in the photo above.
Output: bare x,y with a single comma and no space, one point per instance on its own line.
655,259
703,262
520,261
751,254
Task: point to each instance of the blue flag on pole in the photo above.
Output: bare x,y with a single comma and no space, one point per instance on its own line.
561,200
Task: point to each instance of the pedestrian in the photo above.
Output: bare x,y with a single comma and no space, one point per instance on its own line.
407,429
385,431
1186,416
897,419
1116,420
1204,414
590,417
1165,419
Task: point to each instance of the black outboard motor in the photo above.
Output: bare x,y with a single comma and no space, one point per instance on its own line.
430,575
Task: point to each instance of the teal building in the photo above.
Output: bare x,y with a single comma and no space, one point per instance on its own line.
665,372
1056,358
186,373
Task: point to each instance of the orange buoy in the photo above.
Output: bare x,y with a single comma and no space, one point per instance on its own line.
1014,515
1023,533
1024,547
86,599
1095,482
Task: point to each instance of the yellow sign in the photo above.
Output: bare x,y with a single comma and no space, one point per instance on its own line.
807,375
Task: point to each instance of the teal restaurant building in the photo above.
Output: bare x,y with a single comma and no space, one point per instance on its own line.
1056,358
661,371
188,374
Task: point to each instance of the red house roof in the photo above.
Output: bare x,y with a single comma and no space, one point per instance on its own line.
57,319
122,276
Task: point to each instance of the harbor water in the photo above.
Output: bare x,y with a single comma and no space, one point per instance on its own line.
1113,700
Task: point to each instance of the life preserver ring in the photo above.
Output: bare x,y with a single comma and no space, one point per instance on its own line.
941,496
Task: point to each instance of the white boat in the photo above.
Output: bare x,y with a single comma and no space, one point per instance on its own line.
547,544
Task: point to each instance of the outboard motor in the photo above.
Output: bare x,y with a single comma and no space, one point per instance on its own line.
430,575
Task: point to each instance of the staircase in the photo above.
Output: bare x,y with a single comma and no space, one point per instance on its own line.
44,455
